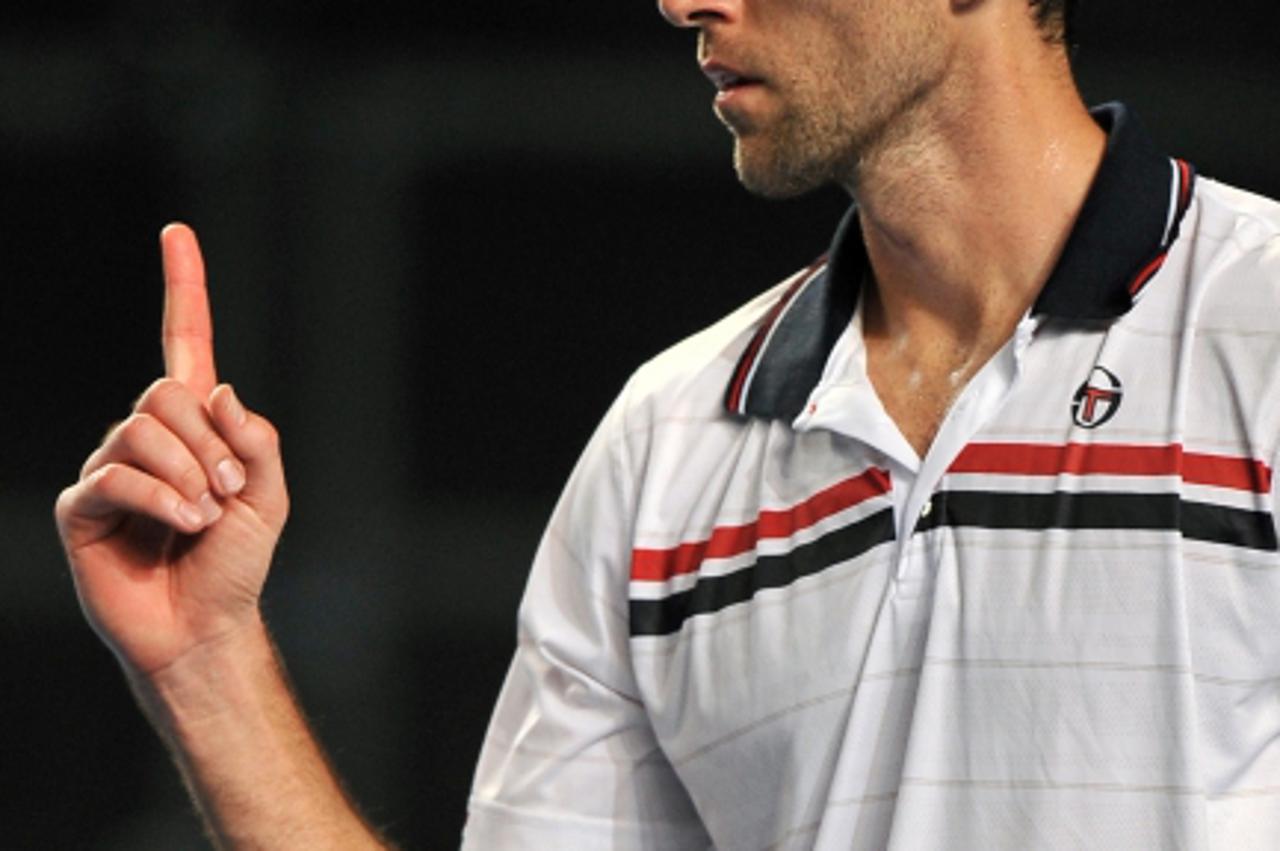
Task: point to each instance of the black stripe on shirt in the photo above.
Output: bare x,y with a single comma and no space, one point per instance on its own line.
1198,521
713,593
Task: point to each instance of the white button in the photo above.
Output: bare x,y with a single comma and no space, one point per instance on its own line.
927,510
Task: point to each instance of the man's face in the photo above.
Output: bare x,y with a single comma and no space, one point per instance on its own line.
811,87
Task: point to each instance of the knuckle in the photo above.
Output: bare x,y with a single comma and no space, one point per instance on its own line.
134,432
110,431
157,494
163,394
269,436
209,446
108,478
91,463
192,480
64,504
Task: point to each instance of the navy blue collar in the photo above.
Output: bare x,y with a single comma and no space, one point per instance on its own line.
1129,220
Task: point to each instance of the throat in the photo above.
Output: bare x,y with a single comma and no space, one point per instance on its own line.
917,395
921,362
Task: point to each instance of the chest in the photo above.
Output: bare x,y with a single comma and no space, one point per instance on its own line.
916,390
916,403
1084,563
1023,633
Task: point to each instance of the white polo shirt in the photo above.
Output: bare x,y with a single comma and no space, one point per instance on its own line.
759,620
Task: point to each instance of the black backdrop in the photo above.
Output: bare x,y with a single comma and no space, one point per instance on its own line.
440,237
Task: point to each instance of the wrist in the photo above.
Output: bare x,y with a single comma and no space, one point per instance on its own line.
220,678
244,748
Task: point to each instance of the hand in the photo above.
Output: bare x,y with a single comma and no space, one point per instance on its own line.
171,527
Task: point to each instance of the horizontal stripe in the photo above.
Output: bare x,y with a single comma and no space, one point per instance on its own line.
1129,511
1037,785
1082,459
1115,667
838,695
713,593
660,565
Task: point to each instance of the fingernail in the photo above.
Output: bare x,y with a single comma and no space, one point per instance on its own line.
189,514
230,475
234,406
210,511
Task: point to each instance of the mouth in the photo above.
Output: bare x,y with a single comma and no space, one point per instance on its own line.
727,79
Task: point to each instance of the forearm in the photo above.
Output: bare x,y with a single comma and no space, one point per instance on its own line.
245,751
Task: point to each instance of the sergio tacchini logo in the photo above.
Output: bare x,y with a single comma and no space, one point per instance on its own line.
1098,398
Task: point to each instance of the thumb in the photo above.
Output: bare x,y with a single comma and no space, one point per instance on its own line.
256,443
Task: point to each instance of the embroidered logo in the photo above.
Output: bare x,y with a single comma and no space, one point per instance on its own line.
1098,398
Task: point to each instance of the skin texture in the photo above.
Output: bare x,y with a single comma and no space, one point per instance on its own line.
170,530
169,533
835,77
957,128
953,123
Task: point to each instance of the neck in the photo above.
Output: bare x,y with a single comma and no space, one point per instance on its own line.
967,202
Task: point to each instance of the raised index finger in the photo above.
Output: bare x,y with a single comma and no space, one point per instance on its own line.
187,333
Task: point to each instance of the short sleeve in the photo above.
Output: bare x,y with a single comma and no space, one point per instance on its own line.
570,759
1274,473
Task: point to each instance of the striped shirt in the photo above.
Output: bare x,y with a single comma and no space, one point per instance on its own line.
758,620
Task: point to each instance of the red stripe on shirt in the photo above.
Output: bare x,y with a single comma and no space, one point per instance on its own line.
1148,272
1082,459
659,565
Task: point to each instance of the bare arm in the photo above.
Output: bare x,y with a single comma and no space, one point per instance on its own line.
245,752
169,533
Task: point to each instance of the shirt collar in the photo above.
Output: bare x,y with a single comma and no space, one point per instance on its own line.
1125,228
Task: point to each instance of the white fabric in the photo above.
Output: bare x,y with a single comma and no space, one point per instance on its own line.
959,687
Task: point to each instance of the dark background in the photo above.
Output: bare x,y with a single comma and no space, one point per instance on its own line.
440,237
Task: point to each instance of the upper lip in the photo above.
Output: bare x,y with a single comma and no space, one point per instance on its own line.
725,76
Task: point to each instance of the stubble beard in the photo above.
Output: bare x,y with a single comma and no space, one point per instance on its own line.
791,157
824,137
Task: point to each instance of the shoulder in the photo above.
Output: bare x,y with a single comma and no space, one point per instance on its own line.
1223,323
1234,256
1238,210
673,396
670,409
1237,229
689,379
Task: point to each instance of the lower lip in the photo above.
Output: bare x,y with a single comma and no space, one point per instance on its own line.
734,95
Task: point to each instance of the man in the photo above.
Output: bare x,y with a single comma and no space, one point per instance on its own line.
962,537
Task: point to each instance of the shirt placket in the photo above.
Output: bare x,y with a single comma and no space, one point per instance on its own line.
979,403
845,402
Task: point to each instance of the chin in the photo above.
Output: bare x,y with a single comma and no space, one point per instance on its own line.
769,173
